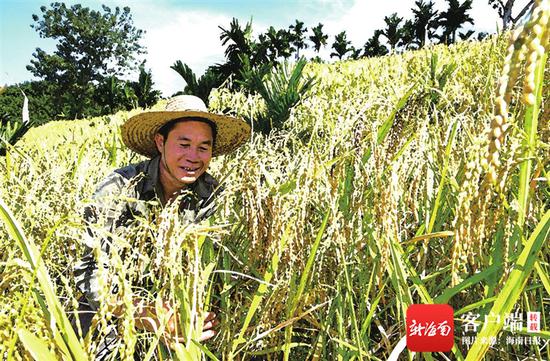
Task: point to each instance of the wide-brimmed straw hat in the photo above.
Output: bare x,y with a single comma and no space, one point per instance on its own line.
138,132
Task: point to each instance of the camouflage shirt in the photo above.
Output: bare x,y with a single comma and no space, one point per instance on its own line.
125,194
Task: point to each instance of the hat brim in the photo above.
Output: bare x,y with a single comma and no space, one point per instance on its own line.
138,132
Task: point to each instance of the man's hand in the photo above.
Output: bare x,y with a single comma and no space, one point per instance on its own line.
209,322
146,318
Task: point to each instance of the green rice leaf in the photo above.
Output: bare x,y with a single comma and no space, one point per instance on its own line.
36,347
513,287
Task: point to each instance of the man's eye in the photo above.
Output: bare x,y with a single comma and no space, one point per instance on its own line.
203,149
184,145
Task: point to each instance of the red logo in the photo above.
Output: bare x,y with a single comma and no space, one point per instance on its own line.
430,328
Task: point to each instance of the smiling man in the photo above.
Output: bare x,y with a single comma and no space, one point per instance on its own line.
186,148
179,142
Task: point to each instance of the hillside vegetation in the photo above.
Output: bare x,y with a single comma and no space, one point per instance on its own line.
372,198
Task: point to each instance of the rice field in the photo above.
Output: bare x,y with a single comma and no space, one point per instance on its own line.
394,182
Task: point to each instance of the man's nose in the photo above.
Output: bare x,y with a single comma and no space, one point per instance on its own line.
193,155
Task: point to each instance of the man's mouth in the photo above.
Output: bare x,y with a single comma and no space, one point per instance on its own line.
190,170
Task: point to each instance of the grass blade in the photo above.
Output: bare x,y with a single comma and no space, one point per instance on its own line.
386,126
36,347
443,178
513,287
57,313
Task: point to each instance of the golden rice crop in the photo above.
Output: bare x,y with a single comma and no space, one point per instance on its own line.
373,197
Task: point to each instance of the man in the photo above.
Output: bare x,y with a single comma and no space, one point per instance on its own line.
179,143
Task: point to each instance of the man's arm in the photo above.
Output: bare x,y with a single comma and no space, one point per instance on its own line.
99,217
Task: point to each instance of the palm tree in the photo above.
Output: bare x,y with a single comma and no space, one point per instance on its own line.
482,35
454,18
238,43
279,43
318,38
407,35
297,37
466,35
373,47
340,45
201,87
392,31
143,89
425,21
110,95
355,53
281,90
260,51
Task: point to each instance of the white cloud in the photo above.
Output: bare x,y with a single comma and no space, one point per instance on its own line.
192,37
172,34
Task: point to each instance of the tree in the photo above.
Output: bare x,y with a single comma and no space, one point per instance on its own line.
482,35
297,37
278,43
407,39
281,89
143,89
504,9
201,87
454,18
260,50
392,31
355,53
373,47
239,43
112,95
425,21
466,35
318,38
340,45
92,45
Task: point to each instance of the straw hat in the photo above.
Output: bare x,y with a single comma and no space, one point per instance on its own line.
138,132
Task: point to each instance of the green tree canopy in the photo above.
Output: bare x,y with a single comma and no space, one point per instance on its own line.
92,45
200,87
41,109
145,95
297,37
355,53
239,45
373,47
425,21
454,18
407,39
340,45
279,43
318,38
392,31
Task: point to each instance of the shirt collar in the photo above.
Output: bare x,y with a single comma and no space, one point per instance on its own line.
151,183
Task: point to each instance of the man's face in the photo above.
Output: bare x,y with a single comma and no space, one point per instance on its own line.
186,153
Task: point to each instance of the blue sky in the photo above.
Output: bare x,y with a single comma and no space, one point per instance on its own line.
188,30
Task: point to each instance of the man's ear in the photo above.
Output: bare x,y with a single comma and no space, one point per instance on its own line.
159,142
